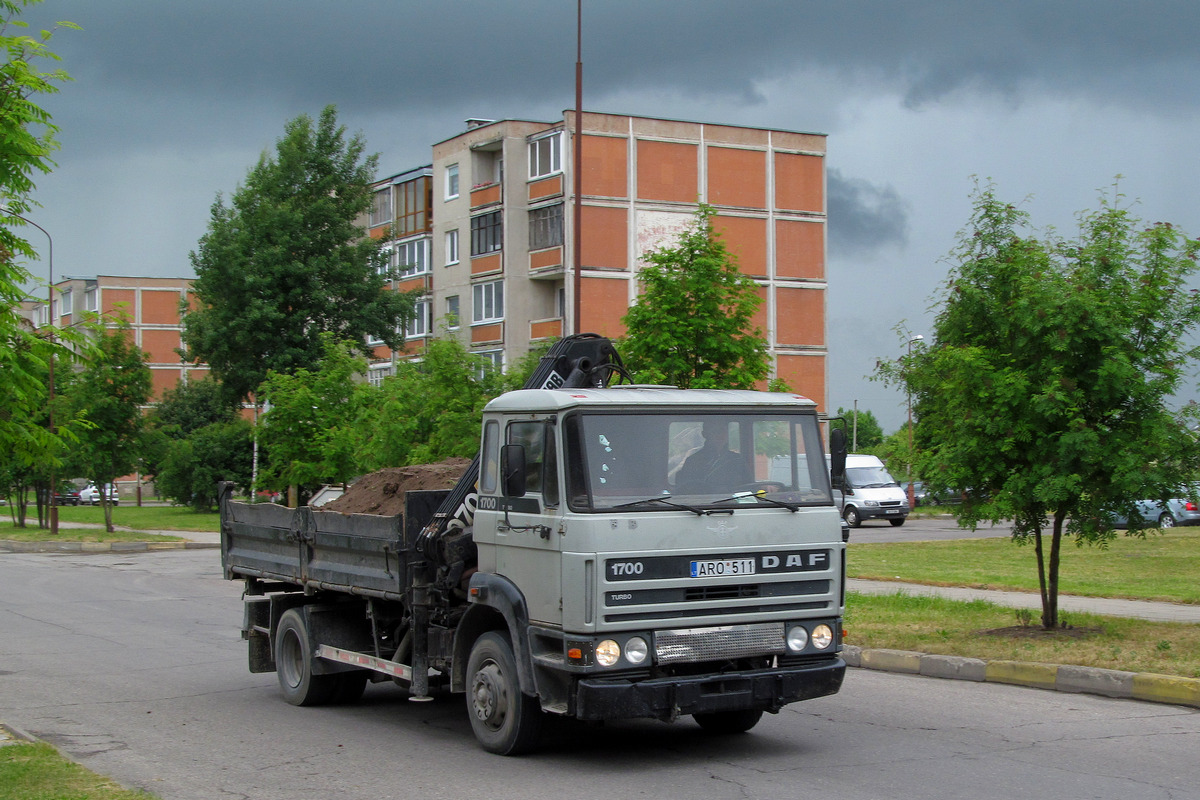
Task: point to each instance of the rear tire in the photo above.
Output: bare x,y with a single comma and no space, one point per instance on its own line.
505,721
294,663
1166,521
350,687
726,722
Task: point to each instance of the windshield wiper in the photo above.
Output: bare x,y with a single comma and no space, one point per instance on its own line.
663,499
743,495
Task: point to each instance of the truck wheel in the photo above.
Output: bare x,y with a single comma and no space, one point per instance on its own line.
729,721
293,664
896,523
505,721
851,516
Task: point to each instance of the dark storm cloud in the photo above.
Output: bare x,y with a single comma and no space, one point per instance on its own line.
863,217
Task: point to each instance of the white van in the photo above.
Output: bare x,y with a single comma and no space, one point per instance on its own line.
869,492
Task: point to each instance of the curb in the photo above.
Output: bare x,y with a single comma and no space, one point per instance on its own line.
11,546
12,735
1056,677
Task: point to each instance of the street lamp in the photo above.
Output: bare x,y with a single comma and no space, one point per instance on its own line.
50,312
908,392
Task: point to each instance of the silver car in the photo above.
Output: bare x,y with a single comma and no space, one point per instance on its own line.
1180,511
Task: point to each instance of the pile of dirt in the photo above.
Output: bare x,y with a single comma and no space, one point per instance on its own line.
383,492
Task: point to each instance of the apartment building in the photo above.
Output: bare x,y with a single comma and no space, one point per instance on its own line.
149,305
490,234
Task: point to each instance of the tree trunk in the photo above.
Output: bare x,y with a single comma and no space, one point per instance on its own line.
1041,564
1050,596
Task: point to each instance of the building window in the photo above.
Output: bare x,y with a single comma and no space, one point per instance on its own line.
381,207
486,234
546,227
452,181
412,206
418,326
387,261
451,247
452,313
66,302
562,301
413,257
489,361
89,300
545,155
487,302
376,375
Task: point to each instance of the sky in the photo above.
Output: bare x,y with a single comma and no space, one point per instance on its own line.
1053,102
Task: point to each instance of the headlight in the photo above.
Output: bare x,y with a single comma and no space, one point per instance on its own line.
797,638
871,503
608,653
636,650
822,637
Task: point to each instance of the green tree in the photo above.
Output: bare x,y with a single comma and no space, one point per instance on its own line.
192,467
310,412
194,439
287,261
692,325
863,427
27,140
1049,376
110,392
430,410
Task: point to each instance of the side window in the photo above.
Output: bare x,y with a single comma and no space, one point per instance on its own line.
531,436
489,473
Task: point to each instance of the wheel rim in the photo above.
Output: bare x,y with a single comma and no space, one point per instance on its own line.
1166,521
289,661
489,696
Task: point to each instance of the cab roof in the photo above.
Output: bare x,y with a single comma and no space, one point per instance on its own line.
525,400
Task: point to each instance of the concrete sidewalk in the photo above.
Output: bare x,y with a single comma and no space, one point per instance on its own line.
1134,609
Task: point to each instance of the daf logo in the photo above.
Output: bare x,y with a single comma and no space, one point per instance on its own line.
722,529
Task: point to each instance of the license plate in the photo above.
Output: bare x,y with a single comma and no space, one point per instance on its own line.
722,567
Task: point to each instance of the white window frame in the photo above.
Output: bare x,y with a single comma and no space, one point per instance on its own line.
412,257
545,155
91,300
487,302
453,312
66,302
452,247
377,375
452,181
489,359
419,326
389,264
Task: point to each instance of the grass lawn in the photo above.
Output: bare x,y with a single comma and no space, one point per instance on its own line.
1163,566
984,630
38,772
146,518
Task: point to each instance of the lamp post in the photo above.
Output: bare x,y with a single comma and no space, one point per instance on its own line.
50,313
908,395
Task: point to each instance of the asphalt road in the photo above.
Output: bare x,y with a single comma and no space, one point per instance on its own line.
918,530
133,665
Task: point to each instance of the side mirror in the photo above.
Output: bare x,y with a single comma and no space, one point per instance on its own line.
512,470
837,457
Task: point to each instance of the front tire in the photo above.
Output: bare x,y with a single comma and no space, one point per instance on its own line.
726,722
294,662
505,721
896,523
851,517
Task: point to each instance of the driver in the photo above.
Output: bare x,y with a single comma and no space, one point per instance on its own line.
714,467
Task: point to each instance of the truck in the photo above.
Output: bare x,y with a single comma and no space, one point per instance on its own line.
575,569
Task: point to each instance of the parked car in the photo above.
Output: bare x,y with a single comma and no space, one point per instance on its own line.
1180,511
90,494
67,496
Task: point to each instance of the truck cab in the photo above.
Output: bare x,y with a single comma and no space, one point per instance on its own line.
658,578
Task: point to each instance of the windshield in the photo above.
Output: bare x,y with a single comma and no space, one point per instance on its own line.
869,477
695,460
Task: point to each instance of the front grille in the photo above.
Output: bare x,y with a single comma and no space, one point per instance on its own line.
720,592
725,642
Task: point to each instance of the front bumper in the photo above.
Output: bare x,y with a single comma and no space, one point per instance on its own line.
668,698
